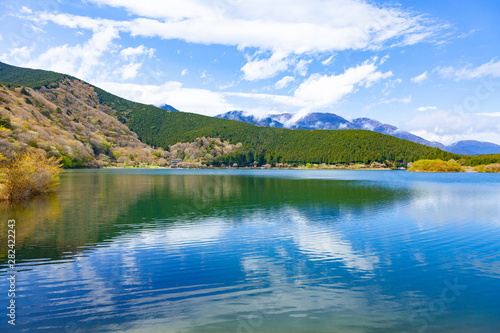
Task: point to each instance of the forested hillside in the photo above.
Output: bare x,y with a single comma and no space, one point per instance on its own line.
60,96
65,120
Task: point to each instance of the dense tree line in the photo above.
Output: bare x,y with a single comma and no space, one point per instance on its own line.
480,160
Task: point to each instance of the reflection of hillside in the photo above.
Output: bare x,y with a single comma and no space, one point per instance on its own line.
94,206
228,195
85,210
40,209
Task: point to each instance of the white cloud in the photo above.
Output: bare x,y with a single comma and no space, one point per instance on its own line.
284,82
281,100
302,67
469,72
326,90
26,10
336,26
1,38
339,25
420,78
75,21
321,91
448,127
131,53
266,68
226,86
81,60
18,54
426,108
489,114
129,71
172,93
328,61
404,100
184,72
384,59
390,85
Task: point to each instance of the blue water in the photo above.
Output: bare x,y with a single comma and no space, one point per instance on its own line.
258,251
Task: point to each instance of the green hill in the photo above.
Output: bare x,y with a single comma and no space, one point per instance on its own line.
161,128
33,78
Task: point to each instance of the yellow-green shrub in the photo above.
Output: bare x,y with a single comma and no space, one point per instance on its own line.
435,166
495,167
28,174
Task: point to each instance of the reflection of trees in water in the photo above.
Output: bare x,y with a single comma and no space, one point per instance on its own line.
233,193
84,210
28,215
91,207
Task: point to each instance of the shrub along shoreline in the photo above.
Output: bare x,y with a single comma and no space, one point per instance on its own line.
450,166
28,174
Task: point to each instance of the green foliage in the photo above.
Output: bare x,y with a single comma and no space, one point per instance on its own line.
66,162
33,78
481,160
105,147
5,122
28,101
116,154
32,143
435,166
46,113
25,92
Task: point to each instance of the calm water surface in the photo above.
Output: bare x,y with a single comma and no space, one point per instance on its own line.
257,251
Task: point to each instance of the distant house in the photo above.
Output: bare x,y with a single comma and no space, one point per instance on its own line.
176,161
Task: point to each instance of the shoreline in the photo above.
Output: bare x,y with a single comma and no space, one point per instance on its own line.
233,168
296,168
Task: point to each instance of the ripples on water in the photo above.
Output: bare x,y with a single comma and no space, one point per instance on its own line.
259,251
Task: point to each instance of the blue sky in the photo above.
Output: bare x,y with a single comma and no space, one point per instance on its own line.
429,67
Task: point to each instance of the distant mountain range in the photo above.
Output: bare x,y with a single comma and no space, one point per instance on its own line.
330,121
472,147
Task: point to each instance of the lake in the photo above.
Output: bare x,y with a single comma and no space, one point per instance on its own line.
257,251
